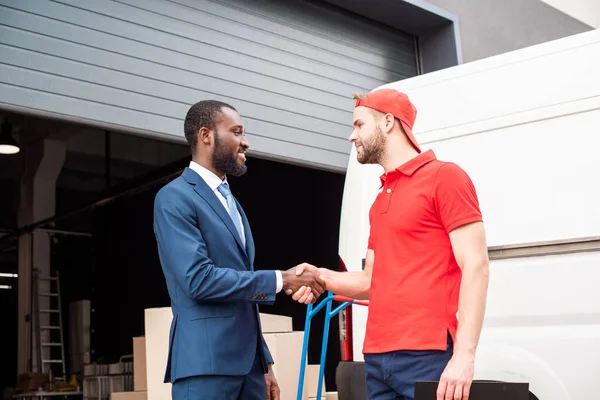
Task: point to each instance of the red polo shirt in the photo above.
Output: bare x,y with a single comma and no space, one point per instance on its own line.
416,280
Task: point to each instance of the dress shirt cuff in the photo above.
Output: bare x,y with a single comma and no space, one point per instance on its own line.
279,281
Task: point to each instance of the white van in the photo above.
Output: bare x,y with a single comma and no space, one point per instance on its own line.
526,127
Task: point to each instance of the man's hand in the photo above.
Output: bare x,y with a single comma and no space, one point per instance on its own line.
273,391
455,382
293,281
304,295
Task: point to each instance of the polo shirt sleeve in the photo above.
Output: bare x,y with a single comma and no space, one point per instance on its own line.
455,198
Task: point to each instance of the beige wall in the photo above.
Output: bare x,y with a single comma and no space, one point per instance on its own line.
587,11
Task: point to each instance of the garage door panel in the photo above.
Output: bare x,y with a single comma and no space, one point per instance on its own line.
368,40
82,90
307,16
290,126
160,94
151,124
145,43
150,60
309,156
237,36
105,68
243,54
262,121
291,134
94,112
350,42
140,64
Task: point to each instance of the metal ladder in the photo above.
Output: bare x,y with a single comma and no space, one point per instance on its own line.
53,340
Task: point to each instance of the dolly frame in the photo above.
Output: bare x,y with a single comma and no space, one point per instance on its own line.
310,313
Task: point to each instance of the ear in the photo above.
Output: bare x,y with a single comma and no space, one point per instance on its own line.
205,136
389,122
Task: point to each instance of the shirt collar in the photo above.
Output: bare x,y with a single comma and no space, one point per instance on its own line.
412,165
212,180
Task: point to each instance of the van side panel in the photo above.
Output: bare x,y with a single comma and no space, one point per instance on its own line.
524,125
543,319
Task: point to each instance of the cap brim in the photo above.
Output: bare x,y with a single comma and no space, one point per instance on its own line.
410,136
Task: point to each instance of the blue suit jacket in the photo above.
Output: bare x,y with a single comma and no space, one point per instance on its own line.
211,280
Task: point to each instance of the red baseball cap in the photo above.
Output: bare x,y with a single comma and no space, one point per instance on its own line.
396,103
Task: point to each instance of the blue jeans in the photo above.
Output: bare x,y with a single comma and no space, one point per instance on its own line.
392,375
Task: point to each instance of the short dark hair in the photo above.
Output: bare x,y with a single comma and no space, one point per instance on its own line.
203,114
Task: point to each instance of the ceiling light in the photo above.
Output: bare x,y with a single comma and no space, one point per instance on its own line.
5,287
8,275
8,144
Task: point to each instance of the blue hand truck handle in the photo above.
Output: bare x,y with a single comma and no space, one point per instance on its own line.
310,313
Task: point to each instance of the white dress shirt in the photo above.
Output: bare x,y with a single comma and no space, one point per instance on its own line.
213,182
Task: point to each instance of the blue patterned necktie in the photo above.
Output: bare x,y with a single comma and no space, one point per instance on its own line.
233,211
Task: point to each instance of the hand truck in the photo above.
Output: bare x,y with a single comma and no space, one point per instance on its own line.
310,313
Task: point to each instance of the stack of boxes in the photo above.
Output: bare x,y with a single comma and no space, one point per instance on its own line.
140,390
150,357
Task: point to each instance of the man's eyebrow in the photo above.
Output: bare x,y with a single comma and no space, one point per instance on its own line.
356,121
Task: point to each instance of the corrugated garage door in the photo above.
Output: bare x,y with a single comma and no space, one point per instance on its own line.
290,67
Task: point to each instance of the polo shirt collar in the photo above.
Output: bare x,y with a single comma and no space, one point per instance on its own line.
412,165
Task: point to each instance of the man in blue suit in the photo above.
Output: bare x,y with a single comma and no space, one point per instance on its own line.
216,346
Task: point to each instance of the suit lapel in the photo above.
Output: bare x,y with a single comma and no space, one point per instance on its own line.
211,198
248,233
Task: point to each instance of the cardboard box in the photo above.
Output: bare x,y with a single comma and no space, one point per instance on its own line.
31,381
157,324
272,323
129,396
312,377
139,364
326,396
286,349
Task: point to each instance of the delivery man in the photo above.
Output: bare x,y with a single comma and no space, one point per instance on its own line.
426,272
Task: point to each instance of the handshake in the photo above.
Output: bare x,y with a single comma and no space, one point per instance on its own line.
305,282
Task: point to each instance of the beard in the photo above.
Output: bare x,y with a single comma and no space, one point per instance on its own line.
373,149
224,161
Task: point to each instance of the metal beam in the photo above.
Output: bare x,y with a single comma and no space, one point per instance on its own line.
159,176
547,248
64,232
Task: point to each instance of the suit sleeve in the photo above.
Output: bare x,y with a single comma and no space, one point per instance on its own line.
183,254
266,352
